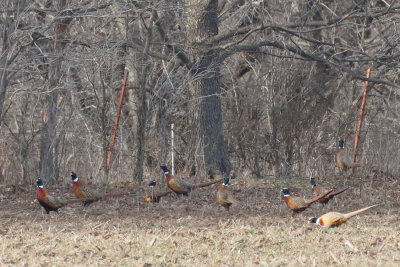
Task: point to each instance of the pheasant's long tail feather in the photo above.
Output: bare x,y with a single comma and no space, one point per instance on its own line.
207,184
62,202
95,198
338,192
354,213
78,200
309,202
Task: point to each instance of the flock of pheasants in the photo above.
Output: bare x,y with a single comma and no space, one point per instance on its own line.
87,195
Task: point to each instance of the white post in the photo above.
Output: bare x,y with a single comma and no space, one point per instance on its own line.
172,150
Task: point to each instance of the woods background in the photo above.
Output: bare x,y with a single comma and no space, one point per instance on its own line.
259,88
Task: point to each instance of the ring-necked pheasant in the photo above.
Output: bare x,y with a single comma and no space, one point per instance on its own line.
298,204
83,192
182,187
317,191
152,184
49,203
332,219
154,197
343,160
224,196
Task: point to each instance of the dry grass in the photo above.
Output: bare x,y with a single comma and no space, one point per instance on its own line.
195,231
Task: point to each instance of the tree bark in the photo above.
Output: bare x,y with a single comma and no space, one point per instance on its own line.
3,72
140,85
206,75
48,131
10,21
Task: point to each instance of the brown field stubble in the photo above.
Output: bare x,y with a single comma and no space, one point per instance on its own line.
196,231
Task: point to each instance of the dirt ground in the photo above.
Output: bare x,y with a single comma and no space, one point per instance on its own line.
196,231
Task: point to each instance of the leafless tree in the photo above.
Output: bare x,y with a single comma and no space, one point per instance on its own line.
261,86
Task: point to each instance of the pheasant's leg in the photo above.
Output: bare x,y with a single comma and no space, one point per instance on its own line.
345,176
45,215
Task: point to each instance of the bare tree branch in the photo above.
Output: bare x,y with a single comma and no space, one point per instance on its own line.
180,53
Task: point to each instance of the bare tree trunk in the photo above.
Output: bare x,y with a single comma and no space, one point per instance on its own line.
203,23
3,71
47,138
141,127
9,21
48,131
141,86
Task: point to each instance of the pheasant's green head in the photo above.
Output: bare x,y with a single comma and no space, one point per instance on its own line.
74,177
165,169
226,182
313,182
341,144
39,183
286,192
313,220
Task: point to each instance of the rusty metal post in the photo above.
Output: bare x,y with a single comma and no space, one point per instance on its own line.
121,99
360,119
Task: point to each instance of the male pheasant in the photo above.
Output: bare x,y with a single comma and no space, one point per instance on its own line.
83,192
298,204
332,219
224,196
182,187
317,191
152,184
343,159
154,197
49,203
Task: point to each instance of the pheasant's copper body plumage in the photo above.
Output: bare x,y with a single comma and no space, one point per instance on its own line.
333,219
343,159
154,197
48,202
83,192
180,186
224,196
318,190
298,204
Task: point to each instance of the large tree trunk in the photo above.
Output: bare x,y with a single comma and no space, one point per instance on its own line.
141,129
48,131
203,23
47,138
140,85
